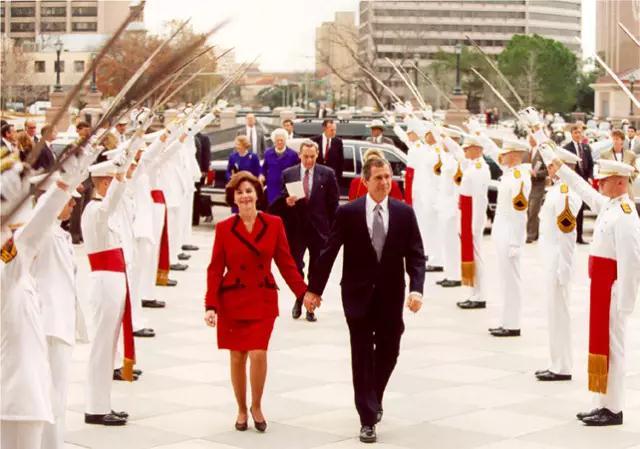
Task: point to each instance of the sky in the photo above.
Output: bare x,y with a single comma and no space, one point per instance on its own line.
281,32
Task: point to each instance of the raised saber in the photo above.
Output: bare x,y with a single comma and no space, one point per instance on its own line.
388,89
409,85
495,67
633,38
497,93
615,78
374,95
436,87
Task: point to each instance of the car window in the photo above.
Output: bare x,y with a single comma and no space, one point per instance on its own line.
397,165
221,155
349,153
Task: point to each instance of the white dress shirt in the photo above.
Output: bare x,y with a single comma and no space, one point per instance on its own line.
370,206
252,134
302,171
323,150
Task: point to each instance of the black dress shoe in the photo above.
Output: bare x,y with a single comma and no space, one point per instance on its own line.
117,375
190,248
505,332
541,371
171,283
105,420
145,332
470,304
493,329
311,317
297,309
447,283
124,415
183,256
153,303
242,426
432,269
552,377
583,415
581,242
137,372
604,417
178,266
441,281
379,416
368,434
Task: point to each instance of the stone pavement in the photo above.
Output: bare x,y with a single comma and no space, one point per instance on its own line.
455,387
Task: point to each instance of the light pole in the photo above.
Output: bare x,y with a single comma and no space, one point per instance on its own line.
458,90
632,79
58,46
93,87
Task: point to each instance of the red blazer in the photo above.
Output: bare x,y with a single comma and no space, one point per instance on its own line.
358,189
239,280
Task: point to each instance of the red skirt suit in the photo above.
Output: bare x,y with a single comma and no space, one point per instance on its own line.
240,286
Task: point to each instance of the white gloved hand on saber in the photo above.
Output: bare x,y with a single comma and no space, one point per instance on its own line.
530,116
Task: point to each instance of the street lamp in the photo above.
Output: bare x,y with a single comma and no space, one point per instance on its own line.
415,69
458,90
93,87
58,46
632,79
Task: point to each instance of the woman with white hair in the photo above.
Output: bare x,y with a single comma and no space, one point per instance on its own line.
277,159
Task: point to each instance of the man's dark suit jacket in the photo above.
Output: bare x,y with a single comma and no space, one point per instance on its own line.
320,209
336,155
585,168
363,277
46,159
203,153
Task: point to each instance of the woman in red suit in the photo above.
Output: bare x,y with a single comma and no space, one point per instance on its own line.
242,295
357,188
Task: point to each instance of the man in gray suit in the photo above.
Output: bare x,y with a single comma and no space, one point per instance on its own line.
377,129
254,133
632,142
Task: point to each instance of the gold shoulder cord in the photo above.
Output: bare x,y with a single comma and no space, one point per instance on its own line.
9,251
566,220
457,178
437,169
625,208
520,201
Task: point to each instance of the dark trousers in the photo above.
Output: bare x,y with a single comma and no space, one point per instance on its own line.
306,239
74,222
375,345
536,198
579,220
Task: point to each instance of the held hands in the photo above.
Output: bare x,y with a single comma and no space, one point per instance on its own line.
210,318
311,301
291,200
414,302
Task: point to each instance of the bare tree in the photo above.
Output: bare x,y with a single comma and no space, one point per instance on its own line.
15,67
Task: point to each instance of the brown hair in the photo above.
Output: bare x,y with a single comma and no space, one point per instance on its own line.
577,126
244,140
25,142
619,133
82,124
234,183
373,162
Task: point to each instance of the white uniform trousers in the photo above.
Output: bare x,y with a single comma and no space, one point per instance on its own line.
158,224
479,289
138,320
511,286
187,218
614,398
107,297
175,233
145,270
559,325
427,216
451,247
21,434
60,361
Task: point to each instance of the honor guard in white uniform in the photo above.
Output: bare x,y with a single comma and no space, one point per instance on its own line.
557,244
509,234
473,202
109,291
55,272
25,386
614,270
431,191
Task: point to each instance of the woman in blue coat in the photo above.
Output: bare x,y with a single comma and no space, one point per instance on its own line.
242,160
276,160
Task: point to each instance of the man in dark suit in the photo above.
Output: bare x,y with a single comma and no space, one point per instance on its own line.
255,135
308,220
381,239
202,203
584,169
46,158
331,151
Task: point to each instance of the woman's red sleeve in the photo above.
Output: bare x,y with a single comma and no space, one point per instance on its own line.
215,272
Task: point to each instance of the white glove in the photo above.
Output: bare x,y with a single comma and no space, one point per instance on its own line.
14,185
221,104
474,125
391,118
143,116
121,162
402,108
428,114
547,153
530,116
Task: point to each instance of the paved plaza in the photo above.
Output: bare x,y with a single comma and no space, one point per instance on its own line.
455,387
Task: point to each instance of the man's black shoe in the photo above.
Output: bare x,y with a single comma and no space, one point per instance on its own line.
505,332
441,281
117,375
604,417
297,309
493,329
145,332
433,269
447,283
368,434
311,317
581,242
124,415
153,303
190,248
552,377
170,283
105,420
470,304
178,266
583,415
541,371
183,256
379,416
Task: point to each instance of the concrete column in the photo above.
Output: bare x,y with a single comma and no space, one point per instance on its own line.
458,115
57,100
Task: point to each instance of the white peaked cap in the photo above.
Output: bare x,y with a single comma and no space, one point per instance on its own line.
470,140
509,146
123,121
106,169
607,168
416,126
376,123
